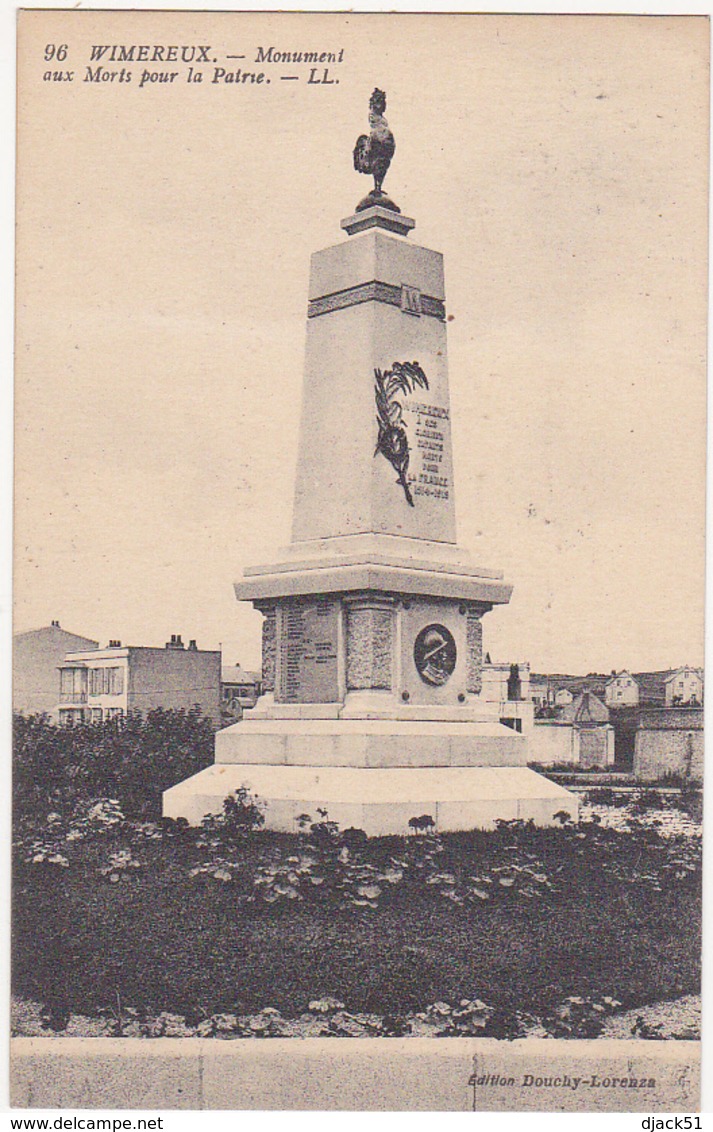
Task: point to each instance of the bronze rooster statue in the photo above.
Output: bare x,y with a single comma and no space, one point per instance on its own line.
372,154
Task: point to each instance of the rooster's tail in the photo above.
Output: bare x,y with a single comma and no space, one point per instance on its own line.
362,154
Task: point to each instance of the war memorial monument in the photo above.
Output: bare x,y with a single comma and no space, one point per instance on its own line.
372,633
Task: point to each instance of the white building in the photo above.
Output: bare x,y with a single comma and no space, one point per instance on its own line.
563,697
621,690
104,683
542,693
508,686
684,687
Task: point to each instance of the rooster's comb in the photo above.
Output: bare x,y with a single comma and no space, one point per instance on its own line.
377,102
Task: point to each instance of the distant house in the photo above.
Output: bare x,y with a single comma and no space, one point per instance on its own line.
563,697
239,690
684,688
36,656
621,690
105,683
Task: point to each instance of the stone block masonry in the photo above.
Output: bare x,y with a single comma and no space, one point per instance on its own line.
356,1074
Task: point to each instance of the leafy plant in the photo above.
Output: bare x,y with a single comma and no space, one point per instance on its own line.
580,1017
422,824
392,441
241,813
132,760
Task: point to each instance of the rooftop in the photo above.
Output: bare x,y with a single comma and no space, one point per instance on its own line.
234,674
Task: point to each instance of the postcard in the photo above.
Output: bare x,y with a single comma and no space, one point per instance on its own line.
359,561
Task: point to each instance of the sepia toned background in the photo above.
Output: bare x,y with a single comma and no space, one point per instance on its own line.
164,234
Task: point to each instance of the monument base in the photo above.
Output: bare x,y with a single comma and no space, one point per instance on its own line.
381,800
319,741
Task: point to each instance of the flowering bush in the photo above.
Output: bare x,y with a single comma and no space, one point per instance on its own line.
471,933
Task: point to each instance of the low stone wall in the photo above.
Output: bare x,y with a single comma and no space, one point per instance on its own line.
670,740
375,1074
558,741
671,719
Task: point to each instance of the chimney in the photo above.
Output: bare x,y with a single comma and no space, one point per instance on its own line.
114,644
175,642
55,625
192,646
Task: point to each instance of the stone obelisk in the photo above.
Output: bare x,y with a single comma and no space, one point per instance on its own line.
372,632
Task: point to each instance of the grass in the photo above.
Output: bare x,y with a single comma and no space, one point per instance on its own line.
158,939
117,914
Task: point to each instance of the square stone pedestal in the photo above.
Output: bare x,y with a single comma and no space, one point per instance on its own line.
372,707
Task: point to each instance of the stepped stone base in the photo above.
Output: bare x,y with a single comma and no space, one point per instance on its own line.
380,801
370,743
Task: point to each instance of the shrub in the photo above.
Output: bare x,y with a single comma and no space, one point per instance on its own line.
133,760
241,813
605,796
422,824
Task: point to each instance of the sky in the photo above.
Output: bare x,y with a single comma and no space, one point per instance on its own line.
164,236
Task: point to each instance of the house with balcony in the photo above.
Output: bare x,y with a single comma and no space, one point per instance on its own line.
105,683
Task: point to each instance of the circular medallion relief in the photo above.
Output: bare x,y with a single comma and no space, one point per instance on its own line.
434,654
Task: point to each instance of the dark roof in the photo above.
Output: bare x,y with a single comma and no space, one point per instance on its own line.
586,708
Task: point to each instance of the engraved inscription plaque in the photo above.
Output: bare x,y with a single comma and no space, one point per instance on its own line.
308,652
430,426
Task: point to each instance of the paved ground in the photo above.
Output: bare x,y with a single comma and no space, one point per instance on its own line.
678,1019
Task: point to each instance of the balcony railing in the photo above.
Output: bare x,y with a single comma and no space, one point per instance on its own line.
73,697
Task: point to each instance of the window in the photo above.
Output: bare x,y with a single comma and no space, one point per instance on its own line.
96,714
114,713
513,724
73,684
106,681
